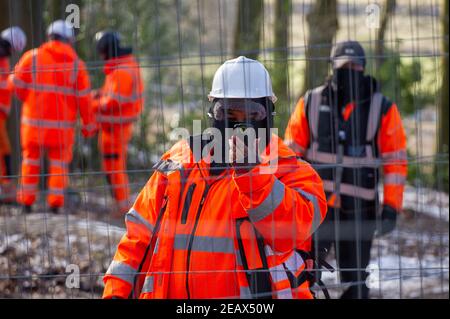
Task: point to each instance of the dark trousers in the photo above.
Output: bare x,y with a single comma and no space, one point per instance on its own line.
351,234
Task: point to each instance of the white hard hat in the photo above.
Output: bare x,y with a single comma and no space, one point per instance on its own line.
62,28
16,37
241,78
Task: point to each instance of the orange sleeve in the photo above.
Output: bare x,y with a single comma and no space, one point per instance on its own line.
392,146
5,89
297,130
287,209
116,91
83,89
22,76
131,251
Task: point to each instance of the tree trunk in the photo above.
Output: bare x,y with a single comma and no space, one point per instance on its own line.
248,28
322,25
280,75
389,9
442,147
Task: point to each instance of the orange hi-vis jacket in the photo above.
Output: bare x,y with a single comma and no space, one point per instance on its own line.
53,84
381,143
121,97
193,235
118,105
5,89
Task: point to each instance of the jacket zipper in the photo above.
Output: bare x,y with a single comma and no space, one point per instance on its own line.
152,240
191,238
187,201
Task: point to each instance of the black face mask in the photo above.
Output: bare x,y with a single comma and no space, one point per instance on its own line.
347,83
265,123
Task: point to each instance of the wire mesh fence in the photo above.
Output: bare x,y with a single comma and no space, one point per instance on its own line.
179,45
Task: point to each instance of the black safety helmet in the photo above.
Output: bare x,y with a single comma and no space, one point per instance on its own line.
108,45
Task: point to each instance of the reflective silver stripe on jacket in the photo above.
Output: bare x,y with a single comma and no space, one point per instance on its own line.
48,123
394,157
122,271
49,88
294,263
295,147
56,191
148,285
205,244
315,96
245,293
31,162
134,216
351,190
123,98
113,119
58,163
317,216
369,160
5,109
374,116
3,84
269,204
278,274
394,179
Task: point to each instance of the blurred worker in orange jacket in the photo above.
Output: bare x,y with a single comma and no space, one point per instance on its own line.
53,84
347,129
12,39
215,222
118,105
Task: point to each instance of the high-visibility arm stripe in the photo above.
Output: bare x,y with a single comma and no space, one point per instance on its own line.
58,163
270,203
399,155
48,123
205,244
135,217
122,271
112,119
31,162
317,216
293,145
148,284
394,179
49,88
5,108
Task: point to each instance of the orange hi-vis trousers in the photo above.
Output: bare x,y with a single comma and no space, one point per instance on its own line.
59,160
113,142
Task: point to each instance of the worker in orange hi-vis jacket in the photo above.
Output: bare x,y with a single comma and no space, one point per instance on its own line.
214,221
118,105
347,129
53,84
12,39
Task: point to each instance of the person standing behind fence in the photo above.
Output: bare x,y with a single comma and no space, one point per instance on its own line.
208,225
346,128
12,39
53,84
118,105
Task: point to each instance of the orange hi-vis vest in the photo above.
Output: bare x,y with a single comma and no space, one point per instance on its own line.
5,88
53,84
121,97
194,235
374,138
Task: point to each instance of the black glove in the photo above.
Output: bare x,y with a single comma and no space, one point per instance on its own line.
388,220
